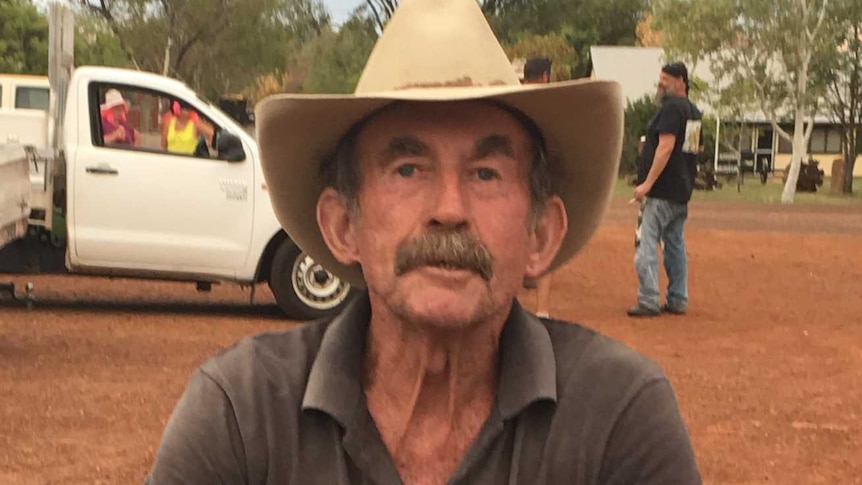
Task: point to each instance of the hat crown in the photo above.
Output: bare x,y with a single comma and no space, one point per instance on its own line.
113,98
436,43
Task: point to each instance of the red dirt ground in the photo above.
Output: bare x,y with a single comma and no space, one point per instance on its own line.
767,364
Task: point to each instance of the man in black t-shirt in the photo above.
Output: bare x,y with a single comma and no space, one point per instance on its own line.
665,181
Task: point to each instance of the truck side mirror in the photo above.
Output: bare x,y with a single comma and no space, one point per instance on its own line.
229,147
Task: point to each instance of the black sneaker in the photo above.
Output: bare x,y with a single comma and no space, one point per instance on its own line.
642,311
673,309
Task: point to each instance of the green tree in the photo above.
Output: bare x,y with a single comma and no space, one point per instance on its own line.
97,45
637,116
844,81
23,38
584,23
332,61
553,46
763,50
214,45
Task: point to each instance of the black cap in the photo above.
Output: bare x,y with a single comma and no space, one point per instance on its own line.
535,67
677,70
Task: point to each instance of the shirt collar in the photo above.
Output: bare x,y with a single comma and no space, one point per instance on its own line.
527,364
528,369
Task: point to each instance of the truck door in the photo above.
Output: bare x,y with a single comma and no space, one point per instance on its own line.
137,204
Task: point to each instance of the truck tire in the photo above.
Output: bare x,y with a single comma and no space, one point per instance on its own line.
303,289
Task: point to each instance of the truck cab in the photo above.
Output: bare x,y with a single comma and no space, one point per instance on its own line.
24,100
139,207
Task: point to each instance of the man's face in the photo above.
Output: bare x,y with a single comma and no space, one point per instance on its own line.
459,170
670,86
118,110
545,78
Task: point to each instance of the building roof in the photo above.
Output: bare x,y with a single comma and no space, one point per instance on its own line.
636,68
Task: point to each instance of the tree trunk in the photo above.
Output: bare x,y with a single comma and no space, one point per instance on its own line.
167,62
850,160
799,151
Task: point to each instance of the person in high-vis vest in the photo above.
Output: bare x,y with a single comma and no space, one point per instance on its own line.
182,131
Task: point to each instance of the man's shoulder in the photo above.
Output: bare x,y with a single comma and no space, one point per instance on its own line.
584,355
683,105
282,359
676,102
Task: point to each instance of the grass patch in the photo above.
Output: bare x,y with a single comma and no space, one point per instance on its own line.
753,191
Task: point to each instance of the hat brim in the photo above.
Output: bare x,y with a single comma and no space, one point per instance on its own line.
118,102
582,122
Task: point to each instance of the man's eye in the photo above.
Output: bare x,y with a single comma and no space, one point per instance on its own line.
406,170
487,174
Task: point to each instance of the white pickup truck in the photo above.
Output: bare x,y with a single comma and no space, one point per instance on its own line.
138,210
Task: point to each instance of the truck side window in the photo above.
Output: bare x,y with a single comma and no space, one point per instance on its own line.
27,97
126,117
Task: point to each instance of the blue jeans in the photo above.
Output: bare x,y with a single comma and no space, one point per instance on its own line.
661,221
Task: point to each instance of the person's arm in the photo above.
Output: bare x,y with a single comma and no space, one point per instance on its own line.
203,128
116,136
666,142
650,444
670,122
201,443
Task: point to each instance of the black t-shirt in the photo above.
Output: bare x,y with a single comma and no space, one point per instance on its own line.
680,117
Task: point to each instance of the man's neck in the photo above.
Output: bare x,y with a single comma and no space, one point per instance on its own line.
422,384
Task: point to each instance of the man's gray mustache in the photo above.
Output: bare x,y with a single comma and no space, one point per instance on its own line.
446,249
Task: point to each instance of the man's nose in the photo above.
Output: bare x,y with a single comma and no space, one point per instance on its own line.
450,207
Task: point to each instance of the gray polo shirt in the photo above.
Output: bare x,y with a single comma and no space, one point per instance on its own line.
573,407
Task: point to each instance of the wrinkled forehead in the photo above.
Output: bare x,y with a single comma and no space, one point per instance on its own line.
465,121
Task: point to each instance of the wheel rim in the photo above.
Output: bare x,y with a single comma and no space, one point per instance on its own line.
317,287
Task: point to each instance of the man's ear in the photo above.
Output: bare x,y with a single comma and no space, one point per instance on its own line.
547,237
337,226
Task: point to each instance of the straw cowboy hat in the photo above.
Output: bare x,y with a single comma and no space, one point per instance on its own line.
437,51
113,98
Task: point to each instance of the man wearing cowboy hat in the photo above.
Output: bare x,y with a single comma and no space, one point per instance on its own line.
438,186
115,127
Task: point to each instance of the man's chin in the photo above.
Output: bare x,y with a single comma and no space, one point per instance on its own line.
445,318
443,307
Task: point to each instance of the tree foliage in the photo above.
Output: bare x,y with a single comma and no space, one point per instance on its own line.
214,45
844,81
554,46
637,116
333,61
97,45
763,54
646,34
23,38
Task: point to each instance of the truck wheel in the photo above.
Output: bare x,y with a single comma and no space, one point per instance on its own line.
303,289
